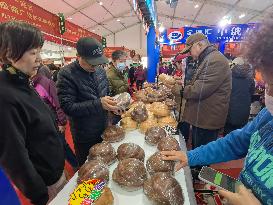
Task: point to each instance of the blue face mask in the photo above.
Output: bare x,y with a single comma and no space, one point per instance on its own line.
121,66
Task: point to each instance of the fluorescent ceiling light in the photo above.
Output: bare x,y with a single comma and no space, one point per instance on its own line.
93,30
101,3
225,21
242,16
118,20
196,6
69,18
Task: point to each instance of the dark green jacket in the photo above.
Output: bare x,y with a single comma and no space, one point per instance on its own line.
117,82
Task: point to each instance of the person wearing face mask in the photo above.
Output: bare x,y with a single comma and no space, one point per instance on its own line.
117,81
83,92
254,141
31,154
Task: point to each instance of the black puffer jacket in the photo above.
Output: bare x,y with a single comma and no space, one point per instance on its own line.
243,87
79,94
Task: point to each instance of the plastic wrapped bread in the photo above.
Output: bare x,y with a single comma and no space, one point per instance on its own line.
130,174
128,124
154,134
130,150
123,100
93,169
156,164
103,151
160,109
162,188
113,133
139,113
150,122
168,144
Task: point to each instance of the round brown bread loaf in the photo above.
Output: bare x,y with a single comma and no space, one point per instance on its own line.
130,150
154,134
130,174
113,133
162,188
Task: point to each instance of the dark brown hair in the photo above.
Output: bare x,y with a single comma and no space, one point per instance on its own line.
17,37
116,55
259,46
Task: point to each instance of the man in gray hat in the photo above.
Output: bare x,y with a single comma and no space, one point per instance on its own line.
207,95
83,94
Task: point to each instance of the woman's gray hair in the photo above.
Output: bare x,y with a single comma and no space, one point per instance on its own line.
118,54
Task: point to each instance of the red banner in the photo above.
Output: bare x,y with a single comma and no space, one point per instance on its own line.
109,50
170,51
49,23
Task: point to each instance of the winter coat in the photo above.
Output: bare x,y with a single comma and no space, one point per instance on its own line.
209,92
79,94
31,153
46,88
140,74
117,82
243,87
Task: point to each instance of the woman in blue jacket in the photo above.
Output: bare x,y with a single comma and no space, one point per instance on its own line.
254,141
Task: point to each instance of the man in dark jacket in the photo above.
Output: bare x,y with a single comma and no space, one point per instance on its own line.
208,94
83,93
243,87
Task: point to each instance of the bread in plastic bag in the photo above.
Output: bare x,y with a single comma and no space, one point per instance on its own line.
93,169
168,120
130,174
163,189
106,197
103,151
128,124
139,113
113,133
130,150
168,144
123,100
156,164
170,103
154,134
160,109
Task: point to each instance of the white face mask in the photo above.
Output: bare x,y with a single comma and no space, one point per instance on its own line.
269,103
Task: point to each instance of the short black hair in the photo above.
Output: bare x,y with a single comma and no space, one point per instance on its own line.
17,37
118,54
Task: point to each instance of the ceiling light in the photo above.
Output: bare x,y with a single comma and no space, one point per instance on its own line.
161,28
69,18
224,21
118,20
242,16
196,6
93,30
101,3
186,25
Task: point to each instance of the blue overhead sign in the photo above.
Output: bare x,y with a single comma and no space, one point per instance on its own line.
231,33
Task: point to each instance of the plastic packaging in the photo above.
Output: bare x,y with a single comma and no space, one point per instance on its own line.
162,188
128,124
156,164
168,120
106,197
113,133
103,151
130,150
168,144
130,174
154,134
123,100
150,122
170,103
139,113
93,169
160,109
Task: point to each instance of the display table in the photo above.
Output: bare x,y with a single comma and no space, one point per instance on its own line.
122,197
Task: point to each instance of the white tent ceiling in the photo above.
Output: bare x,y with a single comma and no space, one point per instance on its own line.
112,18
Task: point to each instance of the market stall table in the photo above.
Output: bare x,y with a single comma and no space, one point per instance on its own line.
122,197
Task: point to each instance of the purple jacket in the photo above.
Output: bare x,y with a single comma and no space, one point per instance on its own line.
163,70
46,88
